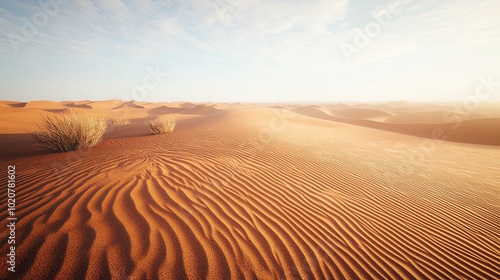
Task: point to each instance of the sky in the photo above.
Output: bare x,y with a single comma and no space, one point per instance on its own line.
248,50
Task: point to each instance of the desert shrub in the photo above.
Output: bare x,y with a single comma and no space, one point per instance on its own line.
69,131
119,121
160,126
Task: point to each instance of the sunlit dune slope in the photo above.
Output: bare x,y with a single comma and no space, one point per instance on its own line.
257,193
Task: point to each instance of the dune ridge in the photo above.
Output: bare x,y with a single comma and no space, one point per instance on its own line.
217,200
473,130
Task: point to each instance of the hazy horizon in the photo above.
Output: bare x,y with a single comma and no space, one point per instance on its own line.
249,50
278,102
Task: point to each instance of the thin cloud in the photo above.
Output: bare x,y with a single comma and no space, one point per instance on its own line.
290,39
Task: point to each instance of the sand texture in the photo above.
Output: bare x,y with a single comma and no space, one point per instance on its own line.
258,191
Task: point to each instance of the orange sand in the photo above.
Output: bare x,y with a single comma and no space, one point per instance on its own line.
277,191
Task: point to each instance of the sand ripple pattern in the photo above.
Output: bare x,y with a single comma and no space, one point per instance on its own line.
195,205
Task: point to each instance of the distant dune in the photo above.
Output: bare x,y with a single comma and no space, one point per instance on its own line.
13,104
130,104
78,105
365,114
476,129
243,191
201,110
107,105
48,105
164,110
420,117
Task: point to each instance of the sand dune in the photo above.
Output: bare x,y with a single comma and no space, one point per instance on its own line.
13,104
365,114
201,110
186,104
405,107
427,117
46,105
77,105
162,110
130,104
337,106
107,105
14,121
257,193
473,131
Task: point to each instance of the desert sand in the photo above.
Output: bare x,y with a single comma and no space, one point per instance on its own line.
258,191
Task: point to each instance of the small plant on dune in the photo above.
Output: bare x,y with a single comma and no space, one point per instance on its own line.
119,121
160,126
69,131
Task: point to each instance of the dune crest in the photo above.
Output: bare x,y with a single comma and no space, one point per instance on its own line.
130,104
365,114
255,192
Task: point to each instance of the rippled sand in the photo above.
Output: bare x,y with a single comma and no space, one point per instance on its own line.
258,192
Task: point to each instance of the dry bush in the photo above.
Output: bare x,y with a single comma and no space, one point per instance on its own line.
119,121
160,126
69,131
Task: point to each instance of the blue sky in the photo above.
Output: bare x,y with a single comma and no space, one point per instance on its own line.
247,50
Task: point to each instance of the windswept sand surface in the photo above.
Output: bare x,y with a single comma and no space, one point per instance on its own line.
276,191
